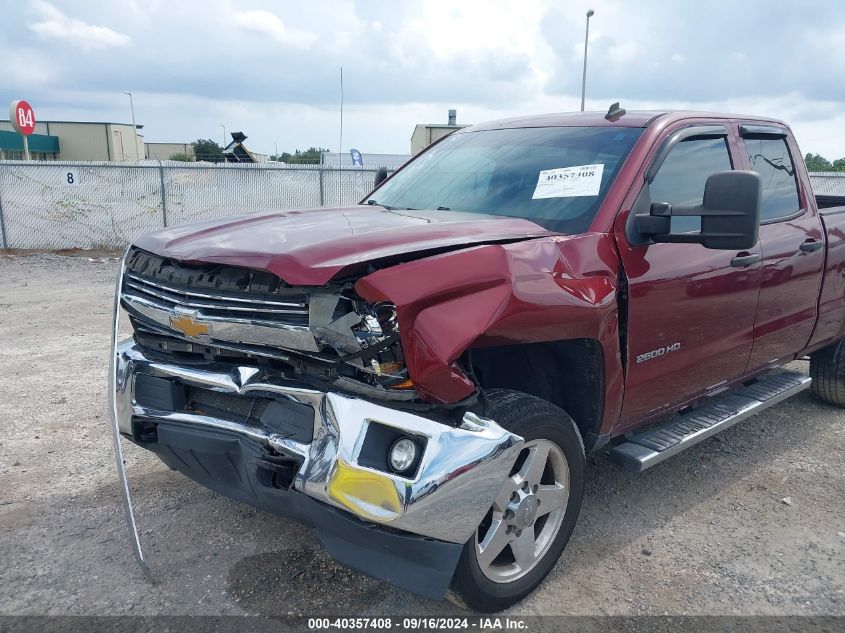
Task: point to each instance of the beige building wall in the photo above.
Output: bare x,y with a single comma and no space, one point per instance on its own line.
425,135
126,143
163,151
40,127
81,141
91,141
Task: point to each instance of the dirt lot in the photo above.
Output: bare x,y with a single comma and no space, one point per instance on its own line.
707,532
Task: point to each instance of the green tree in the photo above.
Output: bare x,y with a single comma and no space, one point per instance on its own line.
184,158
208,150
817,162
310,156
839,164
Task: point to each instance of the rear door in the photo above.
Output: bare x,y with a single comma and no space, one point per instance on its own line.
690,310
792,242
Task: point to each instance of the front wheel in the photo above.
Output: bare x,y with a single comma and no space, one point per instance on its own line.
526,529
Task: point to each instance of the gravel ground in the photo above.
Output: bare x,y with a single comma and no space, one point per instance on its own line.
707,532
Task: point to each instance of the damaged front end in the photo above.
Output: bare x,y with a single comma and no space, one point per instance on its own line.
326,336
291,399
366,339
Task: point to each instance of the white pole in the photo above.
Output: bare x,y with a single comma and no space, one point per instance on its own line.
139,155
224,136
590,14
25,147
340,142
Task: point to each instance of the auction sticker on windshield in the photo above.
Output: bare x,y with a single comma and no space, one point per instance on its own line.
569,182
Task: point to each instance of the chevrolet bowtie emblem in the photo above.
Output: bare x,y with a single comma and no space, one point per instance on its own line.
188,326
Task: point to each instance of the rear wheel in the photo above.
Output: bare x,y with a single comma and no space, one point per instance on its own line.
827,369
526,529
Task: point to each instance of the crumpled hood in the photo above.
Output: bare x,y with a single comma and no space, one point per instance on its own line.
311,246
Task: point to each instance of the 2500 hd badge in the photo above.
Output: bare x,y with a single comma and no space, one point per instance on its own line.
656,353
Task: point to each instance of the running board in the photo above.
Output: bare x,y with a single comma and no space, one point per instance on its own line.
644,449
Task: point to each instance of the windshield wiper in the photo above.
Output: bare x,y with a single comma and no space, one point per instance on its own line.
443,209
376,203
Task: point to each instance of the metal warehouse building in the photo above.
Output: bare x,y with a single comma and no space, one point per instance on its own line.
165,151
426,133
74,140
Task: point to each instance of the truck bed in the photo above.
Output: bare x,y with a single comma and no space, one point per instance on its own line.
828,204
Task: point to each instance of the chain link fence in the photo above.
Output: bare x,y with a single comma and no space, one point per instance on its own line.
55,205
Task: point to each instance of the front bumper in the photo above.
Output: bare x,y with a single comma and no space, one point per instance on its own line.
459,474
378,522
235,466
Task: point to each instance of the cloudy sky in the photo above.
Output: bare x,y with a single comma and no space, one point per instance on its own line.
271,69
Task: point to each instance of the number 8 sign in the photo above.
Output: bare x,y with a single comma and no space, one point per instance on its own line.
23,117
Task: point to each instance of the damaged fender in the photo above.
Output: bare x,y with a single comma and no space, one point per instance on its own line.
540,290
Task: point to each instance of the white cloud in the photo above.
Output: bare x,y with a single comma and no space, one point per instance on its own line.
26,68
623,52
269,24
197,63
58,26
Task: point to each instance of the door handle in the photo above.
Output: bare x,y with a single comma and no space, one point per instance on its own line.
811,245
743,260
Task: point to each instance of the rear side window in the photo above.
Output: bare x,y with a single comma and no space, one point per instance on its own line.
682,176
770,158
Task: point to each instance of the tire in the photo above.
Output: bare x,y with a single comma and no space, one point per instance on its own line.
491,585
827,369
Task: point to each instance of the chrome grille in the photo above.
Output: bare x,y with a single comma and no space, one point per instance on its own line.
210,290
168,297
226,303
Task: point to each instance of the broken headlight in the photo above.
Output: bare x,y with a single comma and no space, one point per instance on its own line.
365,337
378,334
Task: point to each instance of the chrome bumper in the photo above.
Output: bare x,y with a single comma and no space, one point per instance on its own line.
460,472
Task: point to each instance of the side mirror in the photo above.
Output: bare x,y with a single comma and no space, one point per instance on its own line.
730,214
381,176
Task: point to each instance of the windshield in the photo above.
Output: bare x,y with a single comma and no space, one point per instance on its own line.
555,176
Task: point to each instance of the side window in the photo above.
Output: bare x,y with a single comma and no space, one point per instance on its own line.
681,177
770,158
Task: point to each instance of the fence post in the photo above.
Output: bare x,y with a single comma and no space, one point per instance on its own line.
2,219
322,202
163,198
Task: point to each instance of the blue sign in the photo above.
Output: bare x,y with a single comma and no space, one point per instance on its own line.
357,159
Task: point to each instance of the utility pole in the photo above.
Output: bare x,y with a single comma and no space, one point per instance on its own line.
340,142
224,136
138,153
590,14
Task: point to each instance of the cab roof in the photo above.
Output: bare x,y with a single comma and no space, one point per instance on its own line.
632,118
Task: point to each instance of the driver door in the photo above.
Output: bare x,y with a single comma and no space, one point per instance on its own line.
690,310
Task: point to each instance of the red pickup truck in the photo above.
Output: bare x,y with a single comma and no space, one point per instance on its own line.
420,376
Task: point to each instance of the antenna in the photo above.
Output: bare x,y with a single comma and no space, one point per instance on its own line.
340,142
614,113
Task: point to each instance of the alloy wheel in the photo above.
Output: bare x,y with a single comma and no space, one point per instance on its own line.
526,514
